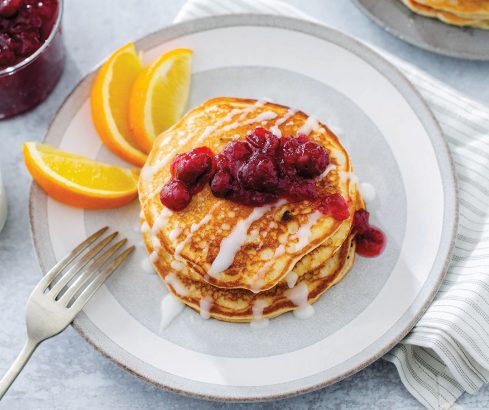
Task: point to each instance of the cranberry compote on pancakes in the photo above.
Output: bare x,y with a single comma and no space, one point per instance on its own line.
261,170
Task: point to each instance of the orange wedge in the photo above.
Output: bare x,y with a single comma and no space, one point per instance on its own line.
110,103
79,181
159,96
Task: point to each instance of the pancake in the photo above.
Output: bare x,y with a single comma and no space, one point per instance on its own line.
241,305
472,9
229,245
464,19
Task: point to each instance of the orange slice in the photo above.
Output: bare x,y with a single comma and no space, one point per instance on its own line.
79,181
159,96
110,103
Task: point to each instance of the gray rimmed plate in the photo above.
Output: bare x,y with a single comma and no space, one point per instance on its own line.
396,145
428,33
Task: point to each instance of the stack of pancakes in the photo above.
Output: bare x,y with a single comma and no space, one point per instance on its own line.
234,262
473,13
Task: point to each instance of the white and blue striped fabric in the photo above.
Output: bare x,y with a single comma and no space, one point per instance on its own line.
447,352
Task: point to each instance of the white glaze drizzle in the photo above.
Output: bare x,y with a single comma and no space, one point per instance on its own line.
304,231
170,308
291,279
275,128
193,229
310,125
205,306
155,242
174,234
161,221
147,173
176,284
177,265
298,295
258,321
279,251
264,116
329,168
231,244
146,266
367,191
145,228
304,312
243,111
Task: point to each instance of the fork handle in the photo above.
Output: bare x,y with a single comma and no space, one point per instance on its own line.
19,363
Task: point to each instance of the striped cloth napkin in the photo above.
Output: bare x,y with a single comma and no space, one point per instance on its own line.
447,352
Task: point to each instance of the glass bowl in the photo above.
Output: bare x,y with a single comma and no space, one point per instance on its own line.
25,84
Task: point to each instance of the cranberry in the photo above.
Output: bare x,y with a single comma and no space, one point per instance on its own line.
336,206
237,151
311,159
175,195
221,183
302,189
259,173
289,151
9,7
360,221
371,243
370,240
258,137
191,166
263,141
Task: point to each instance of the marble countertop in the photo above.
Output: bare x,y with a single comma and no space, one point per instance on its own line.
67,373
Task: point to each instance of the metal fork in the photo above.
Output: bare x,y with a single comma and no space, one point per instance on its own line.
62,293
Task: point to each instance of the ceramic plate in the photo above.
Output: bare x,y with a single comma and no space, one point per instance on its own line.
428,33
396,145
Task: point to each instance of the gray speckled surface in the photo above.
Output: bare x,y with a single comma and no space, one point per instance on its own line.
65,372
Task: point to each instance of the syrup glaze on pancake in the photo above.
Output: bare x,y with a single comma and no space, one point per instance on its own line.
241,305
462,19
228,244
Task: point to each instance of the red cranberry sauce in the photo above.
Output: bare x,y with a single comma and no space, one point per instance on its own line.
264,168
190,172
255,172
24,26
336,206
370,240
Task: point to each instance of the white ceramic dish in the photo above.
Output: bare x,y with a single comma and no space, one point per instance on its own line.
396,145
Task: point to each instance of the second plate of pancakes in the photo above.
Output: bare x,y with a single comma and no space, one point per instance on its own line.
430,33
394,143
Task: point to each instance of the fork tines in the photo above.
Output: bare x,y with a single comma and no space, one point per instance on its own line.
75,278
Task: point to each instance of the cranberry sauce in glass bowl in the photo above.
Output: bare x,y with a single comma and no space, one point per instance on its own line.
31,53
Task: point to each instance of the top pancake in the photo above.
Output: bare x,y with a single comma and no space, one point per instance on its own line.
232,245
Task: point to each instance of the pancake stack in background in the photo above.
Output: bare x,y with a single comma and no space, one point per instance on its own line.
239,263
470,13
